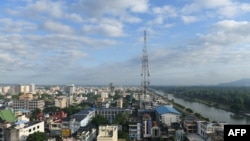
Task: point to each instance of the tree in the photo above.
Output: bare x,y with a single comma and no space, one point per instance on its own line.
34,113
37,136
122,119
51,109
99,120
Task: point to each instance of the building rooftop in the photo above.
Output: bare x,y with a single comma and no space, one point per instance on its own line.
166,109
194,137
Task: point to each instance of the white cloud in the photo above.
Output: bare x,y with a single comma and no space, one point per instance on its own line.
189,19
11,26
54,9
109,27
74,17
57,27
167,11
219,8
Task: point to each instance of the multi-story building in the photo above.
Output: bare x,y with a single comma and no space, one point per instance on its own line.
190,124
22,88
108,133
119,103
21,131
55,127
146,126
80,119
134,128
28,104
32,87
167,115
86,134
70,89
155,130
110,113
104,94
61,102
5,89
206,128
26,96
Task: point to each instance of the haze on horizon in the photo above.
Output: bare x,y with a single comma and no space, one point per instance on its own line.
190,42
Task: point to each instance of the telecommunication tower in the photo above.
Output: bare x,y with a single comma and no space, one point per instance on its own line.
145,71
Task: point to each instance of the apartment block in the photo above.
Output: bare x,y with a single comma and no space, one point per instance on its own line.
28,104
61,102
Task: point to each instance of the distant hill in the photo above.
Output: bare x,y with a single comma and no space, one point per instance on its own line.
241,82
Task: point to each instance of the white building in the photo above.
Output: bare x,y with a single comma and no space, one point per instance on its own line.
86,135
22,130
70,89
108,133
32,88
104,94
6,89
166,114
80,119
206,128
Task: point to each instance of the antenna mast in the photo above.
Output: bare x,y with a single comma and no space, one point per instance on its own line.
145,71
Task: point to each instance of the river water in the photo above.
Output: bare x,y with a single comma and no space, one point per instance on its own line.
213,113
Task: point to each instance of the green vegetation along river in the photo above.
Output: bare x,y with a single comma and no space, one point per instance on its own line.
211,112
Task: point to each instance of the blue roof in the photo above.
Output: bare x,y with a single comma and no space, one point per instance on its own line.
166,109
21,122
85,111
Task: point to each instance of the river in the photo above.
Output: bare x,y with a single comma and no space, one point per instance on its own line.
213,113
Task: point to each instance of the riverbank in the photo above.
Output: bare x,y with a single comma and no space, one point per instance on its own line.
211,112
216,105
182,109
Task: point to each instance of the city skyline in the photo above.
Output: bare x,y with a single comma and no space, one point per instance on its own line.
189,42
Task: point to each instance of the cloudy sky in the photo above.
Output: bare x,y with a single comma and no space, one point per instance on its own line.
92,42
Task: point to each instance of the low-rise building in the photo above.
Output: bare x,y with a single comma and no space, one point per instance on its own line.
108,133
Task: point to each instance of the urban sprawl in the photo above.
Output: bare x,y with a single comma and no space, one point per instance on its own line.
97,113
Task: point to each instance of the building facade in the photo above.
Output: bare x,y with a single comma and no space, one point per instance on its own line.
61,102
21,132
28,104
167,115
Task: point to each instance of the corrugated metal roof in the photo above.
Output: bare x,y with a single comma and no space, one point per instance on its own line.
166,109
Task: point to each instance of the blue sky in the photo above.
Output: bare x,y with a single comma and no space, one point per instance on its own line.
92,42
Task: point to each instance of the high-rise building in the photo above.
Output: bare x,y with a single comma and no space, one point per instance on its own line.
70,89
32,88
19,88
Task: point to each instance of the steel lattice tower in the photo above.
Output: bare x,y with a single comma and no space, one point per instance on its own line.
145,71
